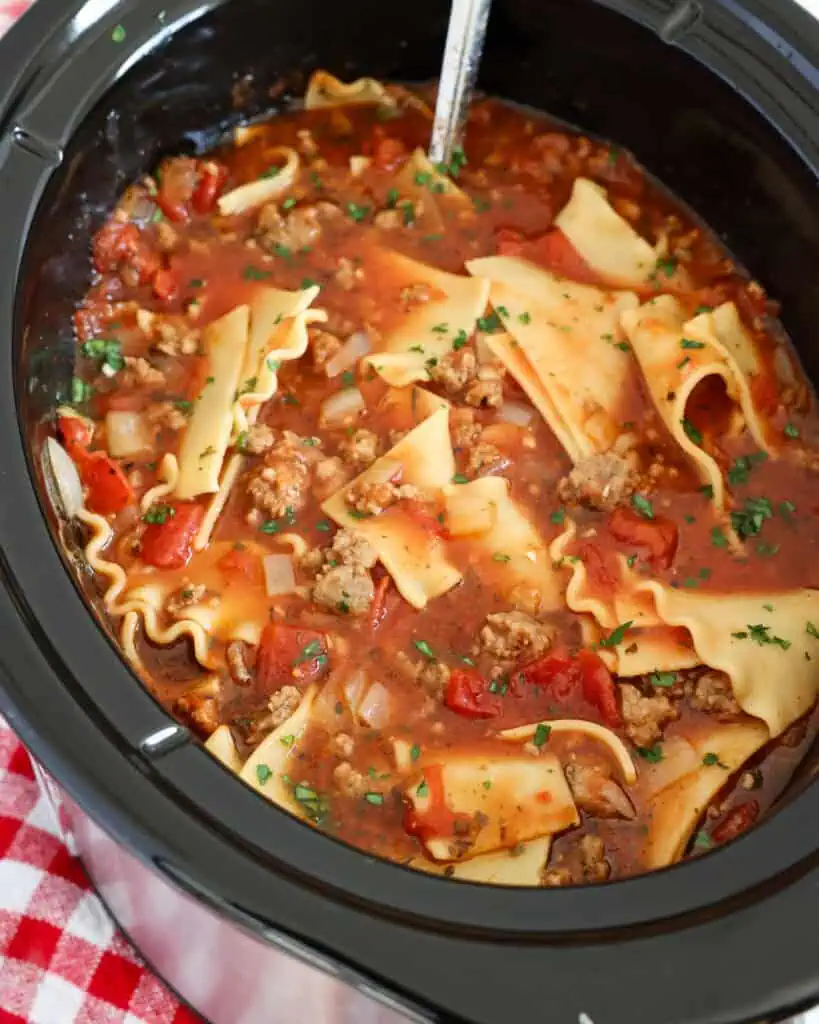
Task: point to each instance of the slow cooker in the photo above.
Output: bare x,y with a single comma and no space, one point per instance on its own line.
223,893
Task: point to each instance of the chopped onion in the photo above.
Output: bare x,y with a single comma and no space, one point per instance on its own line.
359,164
375,709
342,407
353,689
62,479
279,575
354,348
518,413
125,433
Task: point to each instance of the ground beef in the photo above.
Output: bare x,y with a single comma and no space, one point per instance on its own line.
595,791
433,676
455,370
282,704
323,345
348,589
199,711
342,745
593,859
236,657
352,548
557,877
281,485
330,476
465,430
712,692
187,595
601,481
485,458
512,636
300,228
139,373
349,781
360,449
169,334
167,237
645,717
486,392
348,274
258,439
389,220
371,497
166,416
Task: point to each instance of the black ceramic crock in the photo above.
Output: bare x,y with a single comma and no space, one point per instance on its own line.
719,100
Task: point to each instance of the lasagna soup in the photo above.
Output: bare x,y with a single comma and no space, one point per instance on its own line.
467,512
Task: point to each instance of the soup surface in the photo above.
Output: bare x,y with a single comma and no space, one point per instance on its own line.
467,512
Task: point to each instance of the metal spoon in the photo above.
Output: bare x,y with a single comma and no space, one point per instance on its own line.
462,57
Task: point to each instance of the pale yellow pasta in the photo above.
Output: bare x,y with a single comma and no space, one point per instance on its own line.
618,749
325,90
522,866
256,193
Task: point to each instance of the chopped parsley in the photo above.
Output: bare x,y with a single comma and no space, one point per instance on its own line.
460,339
263,774
376,799
642,505
81,391
158,514
309,652
651,754
557,516
274,525
791,430
460,478
440,328
118,35
348,379
683,362
251,273
288,741
408,212
786,509
499,556
666,265
691,432
271,172
689,343
392,198
415,752
487,783
357,212
425,649
761,635
541,734
616,636
316,806
489,324
707,491
710,758
718,538
289,203
703,840
307,282
106,351
323,525
811,630
741,467
749,520
196,282
662,678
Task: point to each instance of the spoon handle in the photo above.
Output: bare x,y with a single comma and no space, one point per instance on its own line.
462,57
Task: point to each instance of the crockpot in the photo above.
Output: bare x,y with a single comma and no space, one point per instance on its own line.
224,894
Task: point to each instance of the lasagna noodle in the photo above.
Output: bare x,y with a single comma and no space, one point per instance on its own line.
506,546
676,356
424,332
325,90
763,642
676,790
421,183
513,802
599,733
563,348
207,435
605,240
522,866
414,557
264,190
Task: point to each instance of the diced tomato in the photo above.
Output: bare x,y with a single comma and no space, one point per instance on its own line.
240,565
385,602
165,285
598,687
145,262
468,694
555,252
573,682
108,489
212,178
169,545
75,435
600,568
659,536
437,820
114,243
388,152
509,242
178,179
421,516
289,652
736,821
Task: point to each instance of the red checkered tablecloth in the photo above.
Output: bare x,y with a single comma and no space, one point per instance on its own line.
62,961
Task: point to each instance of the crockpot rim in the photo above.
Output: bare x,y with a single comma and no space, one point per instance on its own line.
48,604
